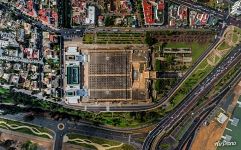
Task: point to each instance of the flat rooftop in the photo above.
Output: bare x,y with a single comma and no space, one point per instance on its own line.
109,75
113,74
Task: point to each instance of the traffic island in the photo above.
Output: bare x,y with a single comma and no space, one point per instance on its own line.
61,126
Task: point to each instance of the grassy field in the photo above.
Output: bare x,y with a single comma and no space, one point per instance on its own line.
223,46
115,38
235,37
25,130
88,38
99,141
238,30
126,120
197,48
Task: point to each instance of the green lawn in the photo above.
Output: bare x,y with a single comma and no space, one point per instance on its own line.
238,30
120,38
237,33
99,141
122,121
223,46
88,38
197,48
235,37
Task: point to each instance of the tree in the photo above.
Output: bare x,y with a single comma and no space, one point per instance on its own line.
29,146
150,40
109,21
158,85
158,65
8,143
170,59
116,121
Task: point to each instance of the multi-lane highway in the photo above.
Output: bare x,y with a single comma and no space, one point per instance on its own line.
191,99
201,116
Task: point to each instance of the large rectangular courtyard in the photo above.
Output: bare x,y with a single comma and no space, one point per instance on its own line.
110,75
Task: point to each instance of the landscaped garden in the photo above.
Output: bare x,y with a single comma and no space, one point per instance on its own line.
96,143
25,128
200,72
120,38
114,38
197,48
224,45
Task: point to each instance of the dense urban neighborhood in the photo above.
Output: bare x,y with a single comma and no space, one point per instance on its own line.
120,74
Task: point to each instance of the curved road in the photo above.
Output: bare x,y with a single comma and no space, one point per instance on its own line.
190,133
169,120
79,128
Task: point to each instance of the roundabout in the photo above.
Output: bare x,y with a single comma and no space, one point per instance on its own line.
60,126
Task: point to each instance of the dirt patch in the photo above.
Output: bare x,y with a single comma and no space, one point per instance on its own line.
44,144
208,135
67,146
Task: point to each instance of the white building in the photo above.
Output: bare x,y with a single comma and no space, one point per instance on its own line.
222,118
236,9
4,43
7,39
90,19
